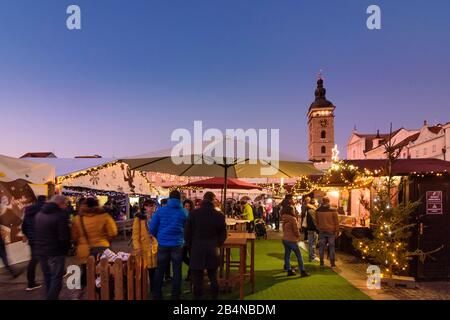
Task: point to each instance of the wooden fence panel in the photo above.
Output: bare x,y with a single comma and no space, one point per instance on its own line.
118,280
104,279
138,274
130,278
90,278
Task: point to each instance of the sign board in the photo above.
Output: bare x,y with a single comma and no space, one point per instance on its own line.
434,202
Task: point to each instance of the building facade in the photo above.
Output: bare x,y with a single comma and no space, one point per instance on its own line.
426,142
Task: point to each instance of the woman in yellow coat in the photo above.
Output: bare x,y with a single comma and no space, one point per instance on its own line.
92,230
143,242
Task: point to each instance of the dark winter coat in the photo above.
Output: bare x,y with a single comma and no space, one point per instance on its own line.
311,219
52,232
205,233
30,213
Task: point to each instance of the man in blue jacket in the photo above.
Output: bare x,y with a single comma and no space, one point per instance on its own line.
167,225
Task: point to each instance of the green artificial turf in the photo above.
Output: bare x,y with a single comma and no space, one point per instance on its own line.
272,283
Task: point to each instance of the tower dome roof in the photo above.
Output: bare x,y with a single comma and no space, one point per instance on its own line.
320,101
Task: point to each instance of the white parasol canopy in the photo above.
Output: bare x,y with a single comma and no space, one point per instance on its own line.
12,169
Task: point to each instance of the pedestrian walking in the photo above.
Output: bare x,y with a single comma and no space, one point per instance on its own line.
28,226
52,242
205,234
291,237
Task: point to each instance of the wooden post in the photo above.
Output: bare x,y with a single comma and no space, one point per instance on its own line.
118,280
130,278
104,279
90,278
138,274
242,267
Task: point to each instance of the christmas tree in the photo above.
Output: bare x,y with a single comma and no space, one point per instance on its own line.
390,222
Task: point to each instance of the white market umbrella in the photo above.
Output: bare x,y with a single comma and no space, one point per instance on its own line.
218,159
12,169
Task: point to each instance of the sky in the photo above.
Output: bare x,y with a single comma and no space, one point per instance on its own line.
139,69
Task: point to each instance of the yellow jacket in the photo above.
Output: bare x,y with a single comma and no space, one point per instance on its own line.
144,242
248,212
100,229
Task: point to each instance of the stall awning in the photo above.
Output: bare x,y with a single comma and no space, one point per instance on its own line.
404,166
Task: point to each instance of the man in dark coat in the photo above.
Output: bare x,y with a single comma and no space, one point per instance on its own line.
30,213
51,242
205,233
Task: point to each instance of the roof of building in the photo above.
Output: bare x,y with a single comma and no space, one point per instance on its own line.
369,138
435,129
406,141
65,166
39,155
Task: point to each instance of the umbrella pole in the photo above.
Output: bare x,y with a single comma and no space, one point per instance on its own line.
225,185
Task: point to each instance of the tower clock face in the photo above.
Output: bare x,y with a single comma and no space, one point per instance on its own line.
324,123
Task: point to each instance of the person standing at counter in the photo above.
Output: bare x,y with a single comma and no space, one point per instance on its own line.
328,225
247,214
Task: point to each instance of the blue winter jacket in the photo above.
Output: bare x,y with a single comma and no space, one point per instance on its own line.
167,224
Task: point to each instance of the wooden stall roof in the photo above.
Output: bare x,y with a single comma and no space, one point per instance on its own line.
405,166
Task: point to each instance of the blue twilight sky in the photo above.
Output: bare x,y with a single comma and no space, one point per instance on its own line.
138,69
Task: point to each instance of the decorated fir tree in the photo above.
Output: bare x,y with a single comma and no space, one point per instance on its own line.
390,223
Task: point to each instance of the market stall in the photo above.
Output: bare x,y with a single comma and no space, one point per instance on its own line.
20,182
107,179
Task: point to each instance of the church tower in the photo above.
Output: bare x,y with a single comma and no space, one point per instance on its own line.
320,126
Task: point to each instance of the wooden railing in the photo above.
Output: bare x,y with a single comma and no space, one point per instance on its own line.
121,280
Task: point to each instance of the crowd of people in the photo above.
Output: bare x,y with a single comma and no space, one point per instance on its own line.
167,235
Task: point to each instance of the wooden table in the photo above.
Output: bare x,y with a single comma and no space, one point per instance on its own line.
236,224
240,240
240,244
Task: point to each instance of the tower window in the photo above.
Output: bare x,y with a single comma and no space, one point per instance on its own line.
323,134
323,149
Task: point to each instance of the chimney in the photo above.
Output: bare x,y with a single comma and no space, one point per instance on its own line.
425,123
